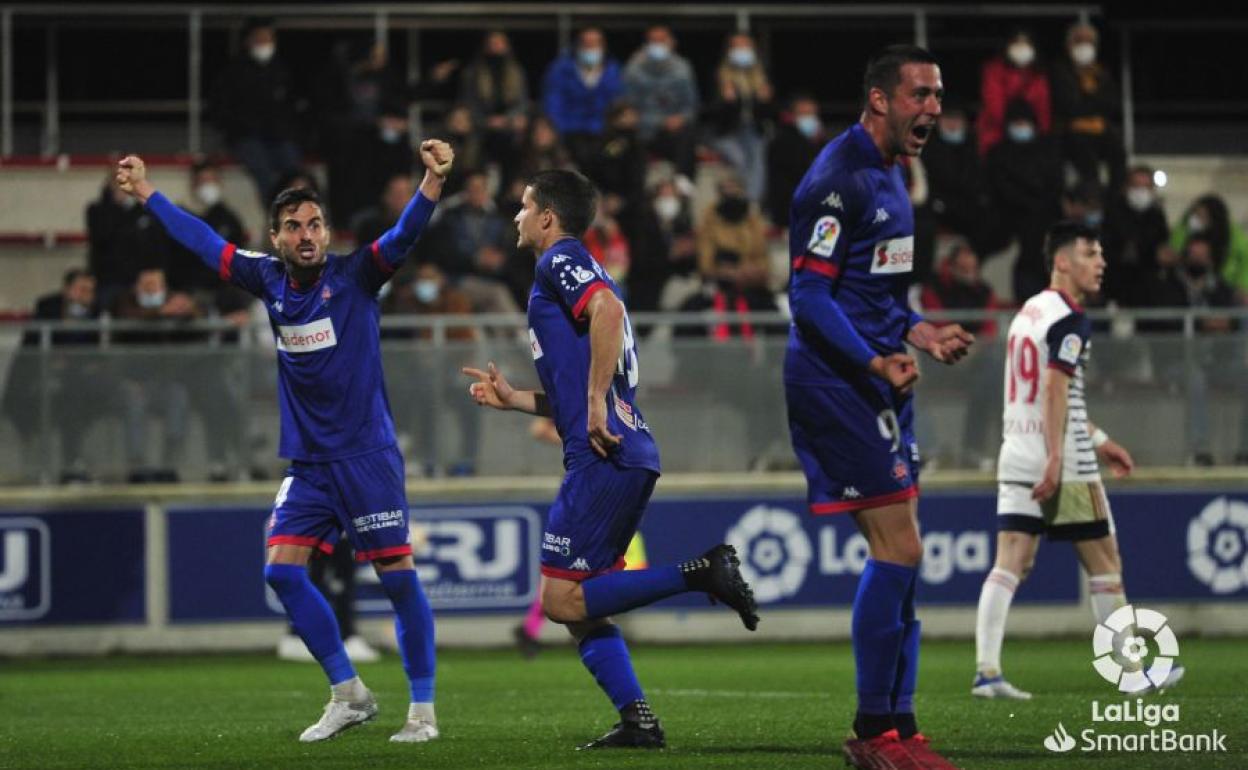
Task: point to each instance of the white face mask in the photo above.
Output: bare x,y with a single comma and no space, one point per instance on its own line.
741,57
1195,224
151,300
427,291
390,135
263,52
77,310
1021,54
667,207
658,51
208,193
1083,54
1139,198
808,124
1022,132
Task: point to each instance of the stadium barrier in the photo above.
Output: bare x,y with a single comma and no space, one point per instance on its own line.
178,568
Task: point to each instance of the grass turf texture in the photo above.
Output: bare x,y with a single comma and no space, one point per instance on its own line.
756,706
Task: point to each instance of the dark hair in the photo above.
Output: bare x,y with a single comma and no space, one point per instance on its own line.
253,23
1062,235
569,195
1218,229
884,68
201,166
293,198
73,274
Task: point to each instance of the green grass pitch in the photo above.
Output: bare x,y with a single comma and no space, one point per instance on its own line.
746,706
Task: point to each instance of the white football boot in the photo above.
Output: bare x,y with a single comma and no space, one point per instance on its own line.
340,715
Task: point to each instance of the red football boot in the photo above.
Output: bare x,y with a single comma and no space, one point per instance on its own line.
883,752
919,747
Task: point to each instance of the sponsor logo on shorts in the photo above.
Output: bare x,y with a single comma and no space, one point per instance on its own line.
900,471
580,564
308,337
895,255
372,521
824,236
557,544
850,493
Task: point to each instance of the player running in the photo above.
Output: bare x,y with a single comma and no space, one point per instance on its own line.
1048,477
586,359
346,471
848,381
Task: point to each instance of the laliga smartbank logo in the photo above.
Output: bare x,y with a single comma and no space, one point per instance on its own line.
1135,650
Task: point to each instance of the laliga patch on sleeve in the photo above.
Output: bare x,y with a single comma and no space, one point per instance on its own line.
1071,347
252,254
824,236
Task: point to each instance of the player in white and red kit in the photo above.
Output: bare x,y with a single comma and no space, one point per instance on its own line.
1048,472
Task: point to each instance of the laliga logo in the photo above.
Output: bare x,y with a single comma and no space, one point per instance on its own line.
1217,544
774,549
1121,650
1060,740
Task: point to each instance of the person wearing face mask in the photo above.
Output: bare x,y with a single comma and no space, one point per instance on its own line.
743,112
1135,228
732,240
664,247
359,170
1209,216
799,136
1086,108
495,88
660,83
1010,76
76,384
957,186
252,104
578,88
154,381
206,202
121,237
1025,183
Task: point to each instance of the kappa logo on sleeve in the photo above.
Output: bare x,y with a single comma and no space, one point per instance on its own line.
824,236
1071,347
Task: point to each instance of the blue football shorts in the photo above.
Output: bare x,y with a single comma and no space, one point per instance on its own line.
593,519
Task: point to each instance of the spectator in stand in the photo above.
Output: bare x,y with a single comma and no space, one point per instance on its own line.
370,223
578,89
664,247
1209,216
420,401
732,241
359,169
472,242
619,170
1215,357
185,271
462,133
958,285
1011,76
799,137
121,237
154,382
1025,181
77,386
662,85
743,112
494,87
1135,228
1086,104
542,149
253,107
957,184
608,245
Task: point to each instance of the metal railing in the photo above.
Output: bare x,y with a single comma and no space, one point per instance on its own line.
414,17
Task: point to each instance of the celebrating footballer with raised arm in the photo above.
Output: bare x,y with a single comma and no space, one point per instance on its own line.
346,472
586,358
848,381
1048,474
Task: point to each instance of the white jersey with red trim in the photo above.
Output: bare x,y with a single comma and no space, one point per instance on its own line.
1050,332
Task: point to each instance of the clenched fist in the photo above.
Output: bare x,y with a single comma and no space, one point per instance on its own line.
437,156
131,177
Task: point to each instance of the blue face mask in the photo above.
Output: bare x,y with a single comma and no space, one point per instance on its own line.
589,57
741,57
658,51
808,125
1022,132
427,291
953,136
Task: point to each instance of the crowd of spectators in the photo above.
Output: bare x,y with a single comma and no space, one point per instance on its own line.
1041,142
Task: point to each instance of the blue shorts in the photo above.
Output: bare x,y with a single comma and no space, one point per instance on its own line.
593,519
363,496
855,442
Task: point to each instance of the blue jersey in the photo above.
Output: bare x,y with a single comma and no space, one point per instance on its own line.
331,392
851,241
566,277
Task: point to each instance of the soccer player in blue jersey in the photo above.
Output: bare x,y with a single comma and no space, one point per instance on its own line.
346,472
848,381
586,358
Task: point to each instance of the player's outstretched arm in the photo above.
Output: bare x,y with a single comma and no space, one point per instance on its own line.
606,338
947,344
185,228
492,389
395,243
1053,410
1111,453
